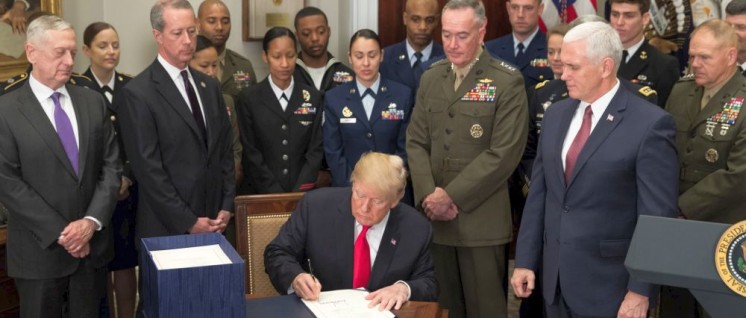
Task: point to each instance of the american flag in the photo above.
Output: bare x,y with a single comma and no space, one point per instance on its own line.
564,11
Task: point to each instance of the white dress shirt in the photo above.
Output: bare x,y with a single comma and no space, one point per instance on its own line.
175,75
278,92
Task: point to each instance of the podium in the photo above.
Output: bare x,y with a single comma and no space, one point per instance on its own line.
681,253
206,291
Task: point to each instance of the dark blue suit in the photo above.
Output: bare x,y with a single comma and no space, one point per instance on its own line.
504,49
627,168
348,133
397,67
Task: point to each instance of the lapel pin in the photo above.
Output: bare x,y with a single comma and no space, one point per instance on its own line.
401,57
610,117
383,89
393,242
352,91
202,84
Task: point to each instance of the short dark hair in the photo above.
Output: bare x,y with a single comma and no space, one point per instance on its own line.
203,43
93,29
307,12
736,7
276,32
643,4
366,34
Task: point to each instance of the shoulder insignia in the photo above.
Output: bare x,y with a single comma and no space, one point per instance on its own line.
540,85
507,66
687,77
13,81
647,91
440,62
125,75
80,76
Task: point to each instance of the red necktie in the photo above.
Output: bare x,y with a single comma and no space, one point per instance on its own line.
361,267
578,143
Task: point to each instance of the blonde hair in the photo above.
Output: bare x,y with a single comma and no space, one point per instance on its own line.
384,173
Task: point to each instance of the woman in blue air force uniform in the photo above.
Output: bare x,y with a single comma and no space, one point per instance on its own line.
368,114
280,123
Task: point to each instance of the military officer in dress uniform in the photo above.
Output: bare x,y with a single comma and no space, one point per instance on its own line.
711,140
280,123
641,63
235,72
526,46
465,138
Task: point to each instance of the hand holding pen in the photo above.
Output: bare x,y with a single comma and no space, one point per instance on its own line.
306,285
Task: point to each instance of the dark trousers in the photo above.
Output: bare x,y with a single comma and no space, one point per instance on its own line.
560,309
678,302
471,280
74,296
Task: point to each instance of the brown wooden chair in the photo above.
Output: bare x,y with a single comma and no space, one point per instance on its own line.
258,220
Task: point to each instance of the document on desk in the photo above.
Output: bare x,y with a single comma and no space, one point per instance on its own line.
189,257
345,303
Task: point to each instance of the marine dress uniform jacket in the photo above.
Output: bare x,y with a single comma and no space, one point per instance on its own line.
348,133
282,150
240,67
534,65
181,174
578,232
469,142
397,67
712,151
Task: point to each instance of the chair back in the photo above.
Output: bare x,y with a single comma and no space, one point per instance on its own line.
258,220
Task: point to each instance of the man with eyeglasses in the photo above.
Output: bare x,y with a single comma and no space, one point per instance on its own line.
526,46
404,62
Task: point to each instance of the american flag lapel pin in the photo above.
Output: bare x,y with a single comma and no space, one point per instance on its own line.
393,242
610,117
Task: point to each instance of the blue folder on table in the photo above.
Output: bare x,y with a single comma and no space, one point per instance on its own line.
289,306
206,291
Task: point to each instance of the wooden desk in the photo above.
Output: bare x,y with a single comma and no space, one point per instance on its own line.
412,309
8,295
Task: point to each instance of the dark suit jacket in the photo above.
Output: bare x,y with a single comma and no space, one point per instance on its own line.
397,67
386,131
281,149
40,188
648,67
504,49
322,230
180,177
626,169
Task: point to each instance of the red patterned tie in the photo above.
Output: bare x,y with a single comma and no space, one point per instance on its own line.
361,267
578,143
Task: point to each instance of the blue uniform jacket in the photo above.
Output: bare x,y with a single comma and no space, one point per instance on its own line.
348,133
534,65
397,67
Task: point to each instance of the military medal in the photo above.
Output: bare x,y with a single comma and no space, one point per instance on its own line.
539,63
305,109
306,95
483,92
476,131
346,112
241,79
392,113
342,77
725,117
711,155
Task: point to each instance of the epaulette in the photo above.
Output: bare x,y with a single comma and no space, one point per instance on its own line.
75,78
647,91
687,77
15,80
126,75
502,65
443,61
540,85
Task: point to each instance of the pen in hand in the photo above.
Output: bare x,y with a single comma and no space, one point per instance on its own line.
310,270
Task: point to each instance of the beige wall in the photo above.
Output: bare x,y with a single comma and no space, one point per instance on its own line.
131,19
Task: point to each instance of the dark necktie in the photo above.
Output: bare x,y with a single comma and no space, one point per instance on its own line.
369,92
108,92
65,132
625,54
361,265
194,104
284,101
578,143
521,54
417,65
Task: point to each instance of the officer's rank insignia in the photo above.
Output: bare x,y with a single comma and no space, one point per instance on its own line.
539,63
730,258
505,65
306,95
726,117
305,109
392,113
476,131
483,92
341,77
643,55
646,91
711,155
346,112
402,57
